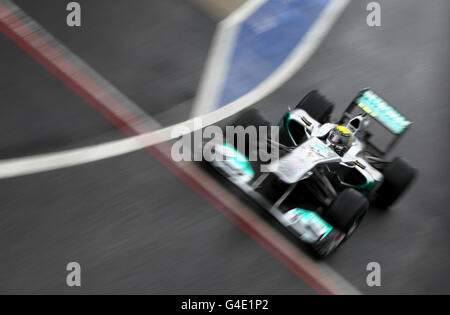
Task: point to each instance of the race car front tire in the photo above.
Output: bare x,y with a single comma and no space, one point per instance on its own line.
250,118
398,176
317,106
347,210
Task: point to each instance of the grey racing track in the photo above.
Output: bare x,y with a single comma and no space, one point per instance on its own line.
135,228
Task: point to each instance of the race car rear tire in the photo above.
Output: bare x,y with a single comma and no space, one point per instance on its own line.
398,176
347,211
317,106
251,117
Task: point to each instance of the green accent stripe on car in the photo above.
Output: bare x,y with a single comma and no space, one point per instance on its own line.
376,107
309,215
288,120
240,161
366,188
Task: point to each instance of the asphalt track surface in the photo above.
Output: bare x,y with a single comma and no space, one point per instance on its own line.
135,228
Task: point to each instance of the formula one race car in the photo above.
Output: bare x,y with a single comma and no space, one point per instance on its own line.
326,173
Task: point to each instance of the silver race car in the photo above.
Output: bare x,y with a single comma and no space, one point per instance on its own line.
326,173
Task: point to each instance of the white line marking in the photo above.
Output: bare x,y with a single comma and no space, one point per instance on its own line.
217,64
243,12
221,49
214,76
48,162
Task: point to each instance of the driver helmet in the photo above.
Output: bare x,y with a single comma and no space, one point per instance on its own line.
340,139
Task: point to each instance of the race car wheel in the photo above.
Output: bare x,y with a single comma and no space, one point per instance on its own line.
317,106
398,175
347,211
251,117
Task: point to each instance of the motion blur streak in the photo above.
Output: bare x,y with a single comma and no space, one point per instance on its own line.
320,279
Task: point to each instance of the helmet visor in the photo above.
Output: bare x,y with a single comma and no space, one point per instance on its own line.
336,138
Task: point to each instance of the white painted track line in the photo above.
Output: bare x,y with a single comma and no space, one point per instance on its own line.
219,58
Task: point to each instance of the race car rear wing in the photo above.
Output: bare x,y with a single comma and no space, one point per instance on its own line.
368,102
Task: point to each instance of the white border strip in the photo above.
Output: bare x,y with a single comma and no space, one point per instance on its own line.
219,58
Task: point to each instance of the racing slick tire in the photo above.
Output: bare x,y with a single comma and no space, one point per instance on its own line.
317,106
347,211
251,117
398,176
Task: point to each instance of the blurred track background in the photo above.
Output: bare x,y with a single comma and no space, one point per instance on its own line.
135,228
